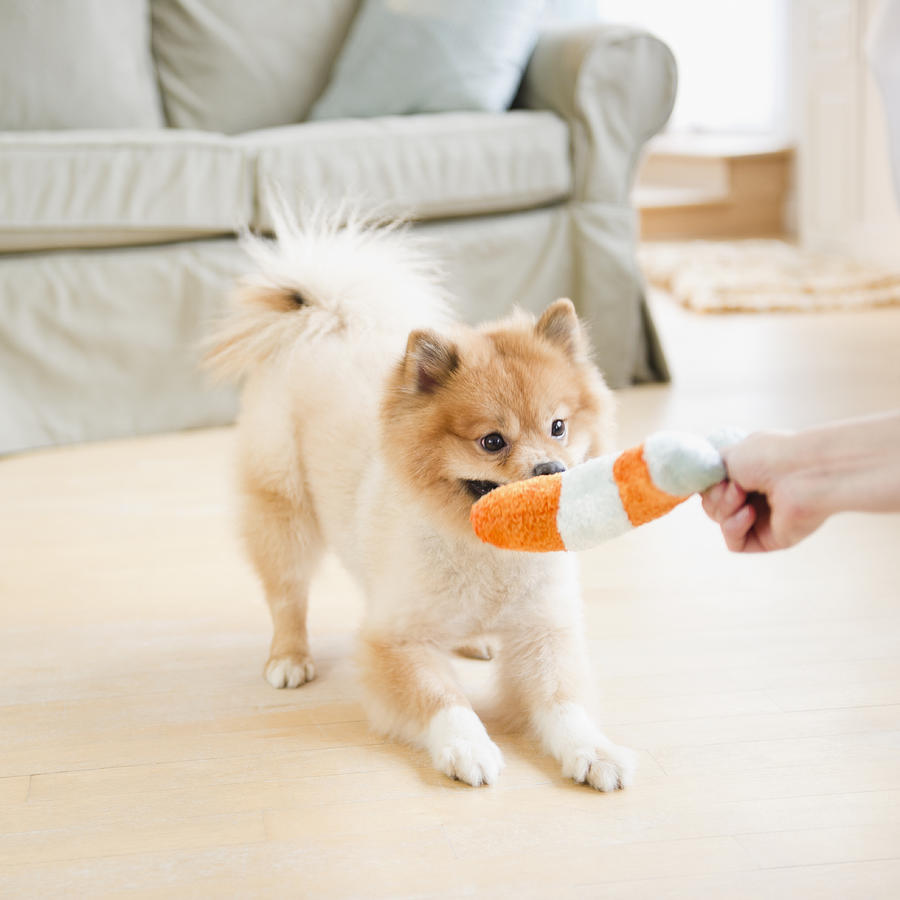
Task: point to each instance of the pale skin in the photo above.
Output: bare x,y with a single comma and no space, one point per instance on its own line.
782,486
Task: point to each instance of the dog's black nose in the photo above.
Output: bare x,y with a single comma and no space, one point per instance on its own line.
548,468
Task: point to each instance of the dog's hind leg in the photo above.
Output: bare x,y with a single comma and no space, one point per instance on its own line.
285,545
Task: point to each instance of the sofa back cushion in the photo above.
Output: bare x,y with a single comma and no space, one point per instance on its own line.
236,65
76,64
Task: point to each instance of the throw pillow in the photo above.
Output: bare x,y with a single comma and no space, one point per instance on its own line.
418,56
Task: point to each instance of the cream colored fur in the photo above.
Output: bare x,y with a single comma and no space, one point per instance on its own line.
315,474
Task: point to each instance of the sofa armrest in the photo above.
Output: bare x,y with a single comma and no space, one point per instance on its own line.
615,86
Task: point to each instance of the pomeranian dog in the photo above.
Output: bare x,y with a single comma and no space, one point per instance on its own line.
370,423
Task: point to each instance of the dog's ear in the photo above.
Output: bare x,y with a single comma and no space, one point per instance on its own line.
430,361
559,324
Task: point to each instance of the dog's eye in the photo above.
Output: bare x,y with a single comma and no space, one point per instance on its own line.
493,442
558,428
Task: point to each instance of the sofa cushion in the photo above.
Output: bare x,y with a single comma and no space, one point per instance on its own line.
425,166
232,65
426,56
94,188
76,64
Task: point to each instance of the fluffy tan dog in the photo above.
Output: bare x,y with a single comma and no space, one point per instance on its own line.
370,423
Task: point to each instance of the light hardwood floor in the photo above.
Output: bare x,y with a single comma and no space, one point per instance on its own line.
142,754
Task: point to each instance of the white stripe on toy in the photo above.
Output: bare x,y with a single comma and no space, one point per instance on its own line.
590,507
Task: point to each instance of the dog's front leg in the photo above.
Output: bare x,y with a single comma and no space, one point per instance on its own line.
544,669
412,694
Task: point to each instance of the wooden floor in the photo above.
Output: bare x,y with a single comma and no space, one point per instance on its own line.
142,754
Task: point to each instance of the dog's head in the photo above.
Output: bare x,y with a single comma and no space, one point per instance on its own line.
478,408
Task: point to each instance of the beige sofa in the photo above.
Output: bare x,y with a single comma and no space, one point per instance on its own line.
120,205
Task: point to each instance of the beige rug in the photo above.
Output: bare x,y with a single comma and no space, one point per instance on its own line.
763,275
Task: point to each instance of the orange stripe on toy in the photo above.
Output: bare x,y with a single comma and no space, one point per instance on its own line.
521,515
642,500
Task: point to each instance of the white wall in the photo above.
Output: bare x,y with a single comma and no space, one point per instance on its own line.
846,198
733,60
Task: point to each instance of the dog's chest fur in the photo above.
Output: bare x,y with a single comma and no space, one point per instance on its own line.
453,588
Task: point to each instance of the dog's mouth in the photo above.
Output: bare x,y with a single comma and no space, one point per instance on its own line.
478,489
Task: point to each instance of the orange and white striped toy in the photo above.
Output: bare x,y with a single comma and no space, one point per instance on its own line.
603,497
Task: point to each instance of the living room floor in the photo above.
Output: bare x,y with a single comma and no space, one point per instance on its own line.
141,752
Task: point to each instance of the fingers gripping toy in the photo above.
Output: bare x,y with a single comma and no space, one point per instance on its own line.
603,497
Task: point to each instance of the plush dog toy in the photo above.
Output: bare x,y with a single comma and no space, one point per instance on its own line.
602,498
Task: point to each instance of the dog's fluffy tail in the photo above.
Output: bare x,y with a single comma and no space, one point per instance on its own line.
325,274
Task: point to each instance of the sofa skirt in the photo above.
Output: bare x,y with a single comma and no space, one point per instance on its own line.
101,344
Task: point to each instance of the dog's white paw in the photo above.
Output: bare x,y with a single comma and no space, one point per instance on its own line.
460,747
586,754
607,767
289,671
474,762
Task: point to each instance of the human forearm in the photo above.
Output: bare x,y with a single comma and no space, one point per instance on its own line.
847,466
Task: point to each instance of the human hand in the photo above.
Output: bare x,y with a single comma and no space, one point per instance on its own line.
770,500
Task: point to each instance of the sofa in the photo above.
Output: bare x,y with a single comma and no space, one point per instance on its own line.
139,138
